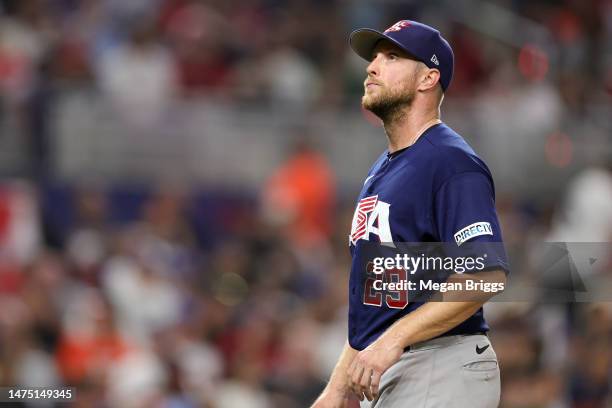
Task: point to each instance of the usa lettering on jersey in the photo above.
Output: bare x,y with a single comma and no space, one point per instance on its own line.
371,217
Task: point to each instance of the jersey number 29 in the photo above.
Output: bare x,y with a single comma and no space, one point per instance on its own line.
395,299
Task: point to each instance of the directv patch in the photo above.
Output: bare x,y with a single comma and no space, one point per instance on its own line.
473,230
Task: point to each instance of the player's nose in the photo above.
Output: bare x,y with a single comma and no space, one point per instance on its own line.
373,67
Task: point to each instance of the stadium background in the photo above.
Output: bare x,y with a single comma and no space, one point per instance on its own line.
178,181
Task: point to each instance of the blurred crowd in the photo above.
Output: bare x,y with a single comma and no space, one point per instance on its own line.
289,51
183,296
543,68
291,54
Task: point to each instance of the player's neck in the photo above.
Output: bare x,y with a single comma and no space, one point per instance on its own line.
403,130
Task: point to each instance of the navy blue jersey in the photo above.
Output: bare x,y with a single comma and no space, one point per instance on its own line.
437,190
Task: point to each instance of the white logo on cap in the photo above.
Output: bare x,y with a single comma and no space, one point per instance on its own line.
434,59
398,26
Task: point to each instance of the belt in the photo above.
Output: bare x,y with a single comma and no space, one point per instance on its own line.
441,340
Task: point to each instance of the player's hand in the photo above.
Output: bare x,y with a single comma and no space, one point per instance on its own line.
369,365
331,399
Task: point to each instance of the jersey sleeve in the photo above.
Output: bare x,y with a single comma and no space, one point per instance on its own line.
464,214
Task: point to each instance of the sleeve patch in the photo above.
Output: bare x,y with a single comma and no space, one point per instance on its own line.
473,230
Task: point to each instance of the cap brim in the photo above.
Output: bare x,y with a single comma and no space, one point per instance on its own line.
363,41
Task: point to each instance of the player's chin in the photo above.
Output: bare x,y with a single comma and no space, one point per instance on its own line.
368,100
369,103
370,91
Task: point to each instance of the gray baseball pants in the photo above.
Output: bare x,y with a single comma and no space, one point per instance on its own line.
452,371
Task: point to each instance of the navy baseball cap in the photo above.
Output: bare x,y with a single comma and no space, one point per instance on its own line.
419,40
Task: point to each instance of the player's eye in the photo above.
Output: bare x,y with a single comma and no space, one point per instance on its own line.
393,56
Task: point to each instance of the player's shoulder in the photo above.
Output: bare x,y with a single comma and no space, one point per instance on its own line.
451,153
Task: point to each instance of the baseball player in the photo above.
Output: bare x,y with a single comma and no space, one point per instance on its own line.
429,186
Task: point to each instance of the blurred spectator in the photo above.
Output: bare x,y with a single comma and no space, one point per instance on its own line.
299,196
87,243
20,234
200,41
144,302
137,380
25,36
139,77
586,215
589,384
89,342
289,79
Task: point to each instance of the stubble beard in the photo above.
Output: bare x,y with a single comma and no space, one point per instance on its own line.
389,105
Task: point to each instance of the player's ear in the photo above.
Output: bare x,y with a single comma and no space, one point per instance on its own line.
430,77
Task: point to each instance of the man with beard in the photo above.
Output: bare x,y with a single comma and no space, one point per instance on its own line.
429,186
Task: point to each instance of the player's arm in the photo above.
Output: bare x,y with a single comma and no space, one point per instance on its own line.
335,394
428,321
435,318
